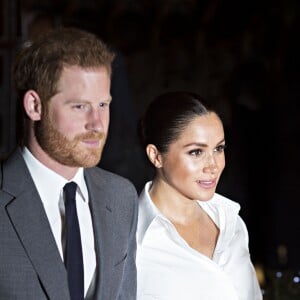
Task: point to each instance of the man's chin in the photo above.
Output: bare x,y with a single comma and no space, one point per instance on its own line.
92,159
81,157
91,164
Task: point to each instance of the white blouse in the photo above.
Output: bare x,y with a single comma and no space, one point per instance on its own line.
169,269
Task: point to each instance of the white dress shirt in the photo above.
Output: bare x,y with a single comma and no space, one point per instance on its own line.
50,188
169,269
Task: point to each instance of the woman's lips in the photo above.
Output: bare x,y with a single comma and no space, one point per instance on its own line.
207,184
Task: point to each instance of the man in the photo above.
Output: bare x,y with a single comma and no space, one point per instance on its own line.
63,86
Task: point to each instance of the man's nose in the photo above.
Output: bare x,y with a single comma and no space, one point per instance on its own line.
95,120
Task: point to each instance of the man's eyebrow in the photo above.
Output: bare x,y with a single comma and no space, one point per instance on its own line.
107,99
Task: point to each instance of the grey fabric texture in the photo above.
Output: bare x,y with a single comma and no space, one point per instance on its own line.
30,264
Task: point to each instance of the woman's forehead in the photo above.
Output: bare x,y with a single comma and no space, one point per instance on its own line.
202,128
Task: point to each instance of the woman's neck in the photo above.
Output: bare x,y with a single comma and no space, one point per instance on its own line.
175,206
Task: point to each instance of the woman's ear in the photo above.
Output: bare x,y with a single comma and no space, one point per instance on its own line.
32,105
154,155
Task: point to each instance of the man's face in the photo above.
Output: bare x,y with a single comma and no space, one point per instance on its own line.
75,121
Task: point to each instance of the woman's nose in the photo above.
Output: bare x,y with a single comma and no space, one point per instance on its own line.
211,165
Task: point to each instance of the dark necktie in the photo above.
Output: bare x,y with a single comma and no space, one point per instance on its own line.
73,253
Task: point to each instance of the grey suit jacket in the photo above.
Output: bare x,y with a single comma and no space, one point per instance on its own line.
30,265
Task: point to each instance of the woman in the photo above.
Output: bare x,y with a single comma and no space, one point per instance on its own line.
192,244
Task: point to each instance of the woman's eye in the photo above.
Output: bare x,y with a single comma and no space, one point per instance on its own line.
196,152
220,148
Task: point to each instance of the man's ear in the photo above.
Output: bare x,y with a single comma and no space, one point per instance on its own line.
154,155
32,105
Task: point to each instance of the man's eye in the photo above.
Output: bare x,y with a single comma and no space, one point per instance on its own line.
103,104
79,106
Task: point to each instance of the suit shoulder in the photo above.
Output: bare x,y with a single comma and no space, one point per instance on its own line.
99,172
110,179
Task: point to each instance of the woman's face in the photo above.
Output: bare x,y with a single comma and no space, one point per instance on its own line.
194,162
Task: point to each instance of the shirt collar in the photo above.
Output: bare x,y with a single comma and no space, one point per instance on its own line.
222,210
147,212
47,180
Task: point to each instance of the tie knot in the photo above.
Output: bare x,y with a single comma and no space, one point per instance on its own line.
70,190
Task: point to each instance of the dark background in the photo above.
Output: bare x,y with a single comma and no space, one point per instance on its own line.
243,56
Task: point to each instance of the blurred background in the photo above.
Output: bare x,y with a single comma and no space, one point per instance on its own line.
243,56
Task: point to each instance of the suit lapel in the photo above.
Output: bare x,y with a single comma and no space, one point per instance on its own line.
30,222
101,210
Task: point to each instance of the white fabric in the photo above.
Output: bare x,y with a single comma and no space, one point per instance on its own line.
50,188
169,269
